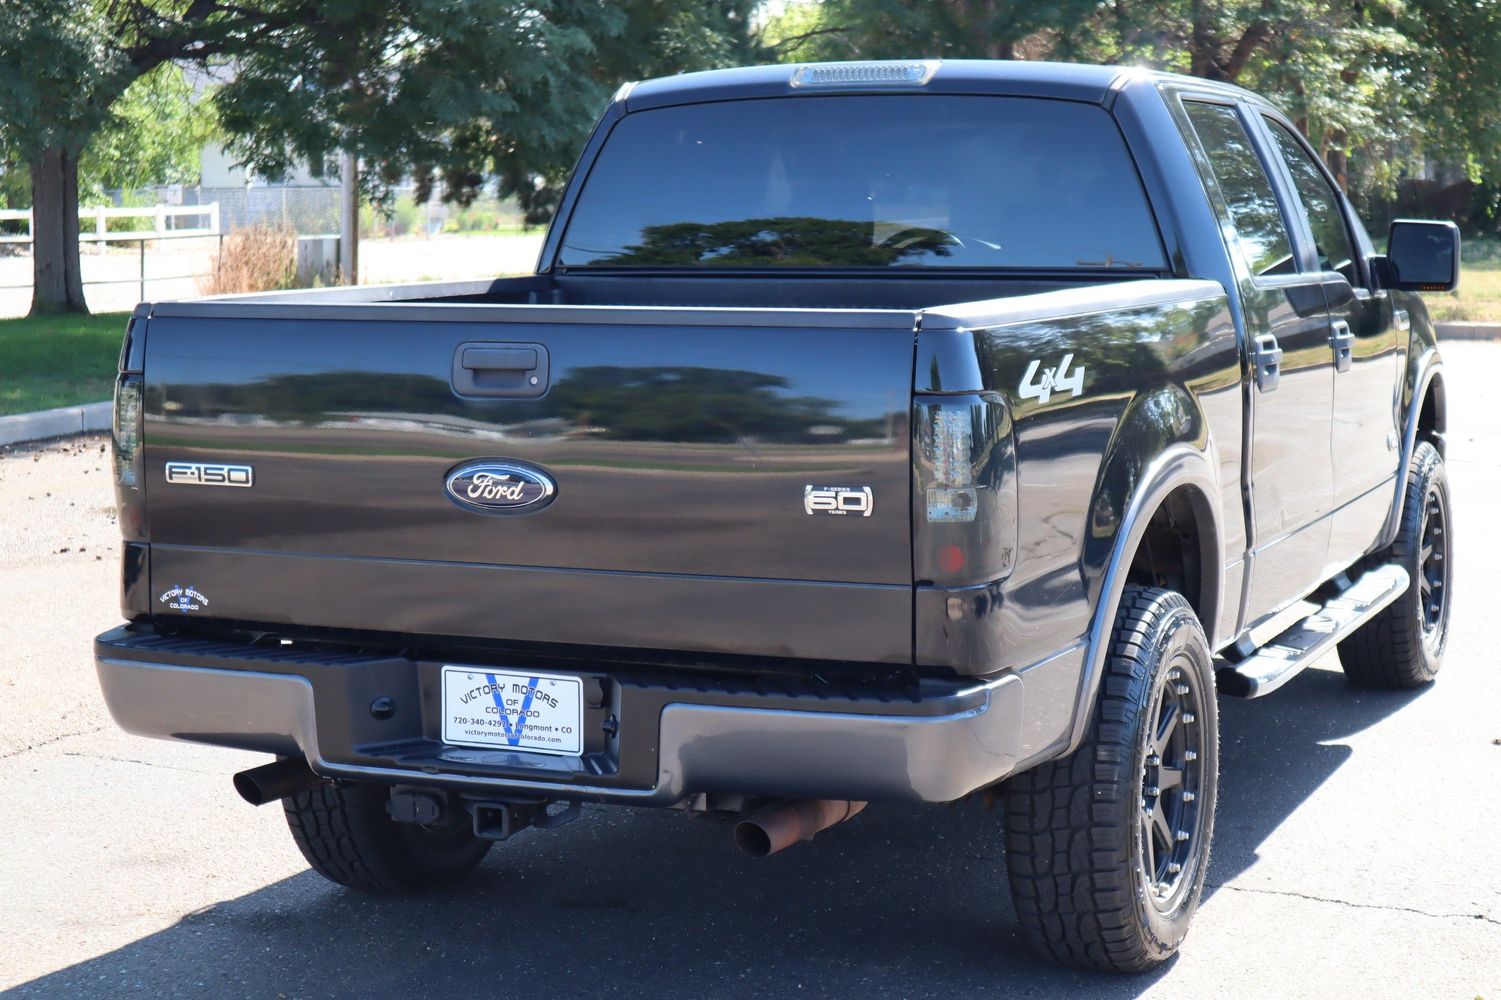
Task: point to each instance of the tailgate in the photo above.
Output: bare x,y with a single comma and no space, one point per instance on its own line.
650,489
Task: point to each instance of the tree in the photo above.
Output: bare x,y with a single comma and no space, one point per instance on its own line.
905,29
447,91
1376,84
155,134
55,70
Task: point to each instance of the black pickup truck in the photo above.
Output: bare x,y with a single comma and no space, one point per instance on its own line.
868,432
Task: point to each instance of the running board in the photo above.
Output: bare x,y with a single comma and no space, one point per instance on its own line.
1281,659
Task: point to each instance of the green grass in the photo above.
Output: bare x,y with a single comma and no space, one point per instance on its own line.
58,360
1479,297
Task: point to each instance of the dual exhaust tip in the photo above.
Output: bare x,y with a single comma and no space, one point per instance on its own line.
759,835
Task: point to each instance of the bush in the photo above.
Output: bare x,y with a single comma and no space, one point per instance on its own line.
258,258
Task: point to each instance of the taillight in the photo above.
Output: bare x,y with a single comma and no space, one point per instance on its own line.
127,433
964,510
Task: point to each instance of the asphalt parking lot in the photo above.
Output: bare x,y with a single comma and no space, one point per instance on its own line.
1358,848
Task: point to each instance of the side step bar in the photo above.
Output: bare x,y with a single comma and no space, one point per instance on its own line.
1281,659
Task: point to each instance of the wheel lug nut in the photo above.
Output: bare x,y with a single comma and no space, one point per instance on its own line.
1188,718
1189,755
1153,790
1189,796
1174,868
1154,761
1181,689
1182,835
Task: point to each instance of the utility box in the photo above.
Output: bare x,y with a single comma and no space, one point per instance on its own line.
317,261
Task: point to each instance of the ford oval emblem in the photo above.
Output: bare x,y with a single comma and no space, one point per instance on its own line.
500,486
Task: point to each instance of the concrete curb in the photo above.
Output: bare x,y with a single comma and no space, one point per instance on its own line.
1468,331
61,422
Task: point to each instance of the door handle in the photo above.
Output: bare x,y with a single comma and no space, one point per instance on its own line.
1343,342
1267,357
500,370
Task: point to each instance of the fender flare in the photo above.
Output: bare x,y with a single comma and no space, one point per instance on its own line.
1429,367
1176,466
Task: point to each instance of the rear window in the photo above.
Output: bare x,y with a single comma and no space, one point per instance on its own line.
865,181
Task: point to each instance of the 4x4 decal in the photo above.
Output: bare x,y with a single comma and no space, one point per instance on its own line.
1058,378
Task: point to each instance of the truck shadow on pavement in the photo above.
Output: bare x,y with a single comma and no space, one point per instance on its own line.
901,902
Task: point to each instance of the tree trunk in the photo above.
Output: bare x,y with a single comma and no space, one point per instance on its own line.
57,282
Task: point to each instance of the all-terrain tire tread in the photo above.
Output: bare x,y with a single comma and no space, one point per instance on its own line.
1067,841
331,828
1387,651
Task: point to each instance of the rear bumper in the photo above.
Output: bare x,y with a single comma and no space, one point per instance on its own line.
673,739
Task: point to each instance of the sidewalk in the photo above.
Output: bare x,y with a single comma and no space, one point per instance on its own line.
61,422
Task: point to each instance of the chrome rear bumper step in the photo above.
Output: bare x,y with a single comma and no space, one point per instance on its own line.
1281,659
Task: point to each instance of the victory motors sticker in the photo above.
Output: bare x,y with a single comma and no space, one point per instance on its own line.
184,599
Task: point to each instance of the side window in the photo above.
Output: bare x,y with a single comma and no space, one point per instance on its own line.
1247,191
1321,203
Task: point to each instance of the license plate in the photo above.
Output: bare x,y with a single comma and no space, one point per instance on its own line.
538,713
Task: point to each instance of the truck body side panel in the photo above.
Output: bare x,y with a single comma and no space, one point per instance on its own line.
1160,367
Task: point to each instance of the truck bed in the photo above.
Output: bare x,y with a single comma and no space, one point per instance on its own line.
682,439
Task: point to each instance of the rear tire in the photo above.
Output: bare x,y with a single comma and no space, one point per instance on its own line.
1099,874
1403,645
347,837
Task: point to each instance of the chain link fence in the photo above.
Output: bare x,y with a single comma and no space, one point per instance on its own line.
311,210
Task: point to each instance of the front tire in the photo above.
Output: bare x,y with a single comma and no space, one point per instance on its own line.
347,837
1403,645
1107,849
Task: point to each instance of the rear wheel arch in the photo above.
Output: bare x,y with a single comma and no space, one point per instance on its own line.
1174,496
1179,551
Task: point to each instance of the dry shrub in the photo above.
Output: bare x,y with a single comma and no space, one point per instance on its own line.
258,258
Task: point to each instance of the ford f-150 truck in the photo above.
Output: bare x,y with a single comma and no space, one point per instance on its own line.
867,432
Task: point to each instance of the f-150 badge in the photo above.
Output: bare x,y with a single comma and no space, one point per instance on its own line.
1058,379
838,500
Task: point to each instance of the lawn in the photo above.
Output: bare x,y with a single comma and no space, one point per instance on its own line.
58,360
1479,297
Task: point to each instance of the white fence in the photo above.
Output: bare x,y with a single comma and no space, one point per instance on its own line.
99,231
103,266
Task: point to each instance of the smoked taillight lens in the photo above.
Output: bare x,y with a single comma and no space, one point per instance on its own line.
964,510
126,440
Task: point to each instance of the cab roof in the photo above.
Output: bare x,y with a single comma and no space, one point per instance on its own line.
1066,81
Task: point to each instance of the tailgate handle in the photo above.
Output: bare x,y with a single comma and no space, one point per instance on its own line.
500,359
500,370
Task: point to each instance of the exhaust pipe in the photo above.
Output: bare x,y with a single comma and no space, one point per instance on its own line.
275,780
780,826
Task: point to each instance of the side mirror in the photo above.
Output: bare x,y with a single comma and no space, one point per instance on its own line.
1421,256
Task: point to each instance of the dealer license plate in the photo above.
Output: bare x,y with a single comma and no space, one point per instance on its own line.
537,713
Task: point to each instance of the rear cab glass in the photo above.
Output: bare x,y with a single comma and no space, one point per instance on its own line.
850,181
1243,183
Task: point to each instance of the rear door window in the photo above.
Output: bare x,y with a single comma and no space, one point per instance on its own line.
911,180
1243,183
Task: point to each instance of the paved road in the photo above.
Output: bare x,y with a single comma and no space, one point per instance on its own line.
1357,849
